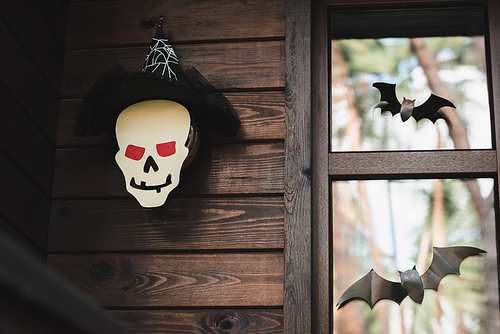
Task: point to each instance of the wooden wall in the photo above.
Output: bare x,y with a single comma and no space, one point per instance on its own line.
210,259
31,60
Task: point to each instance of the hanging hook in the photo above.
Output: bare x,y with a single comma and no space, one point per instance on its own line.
160,21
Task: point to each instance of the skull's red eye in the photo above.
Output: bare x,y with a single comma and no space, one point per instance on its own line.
166,149
134,152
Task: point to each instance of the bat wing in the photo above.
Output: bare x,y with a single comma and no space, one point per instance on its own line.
430,109
446,260
388,98
371,288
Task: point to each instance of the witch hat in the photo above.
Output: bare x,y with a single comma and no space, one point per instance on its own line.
161,59
161,78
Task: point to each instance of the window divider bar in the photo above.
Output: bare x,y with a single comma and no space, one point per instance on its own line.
416,164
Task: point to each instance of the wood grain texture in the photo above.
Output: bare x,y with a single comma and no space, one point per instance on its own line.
134,22
21,141
492,235
244,321
214,247
297,298
412,162
217,170
225,65
194,224
21,204
33,33
27,85
494,61
22,315
32,295
261,115
176,280
322,303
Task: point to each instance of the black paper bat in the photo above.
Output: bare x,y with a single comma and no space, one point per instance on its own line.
429,109
372,288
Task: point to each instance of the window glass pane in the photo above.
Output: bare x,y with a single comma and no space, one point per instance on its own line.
393,225
439,51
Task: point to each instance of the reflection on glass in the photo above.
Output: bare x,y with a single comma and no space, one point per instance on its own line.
450,67
391,226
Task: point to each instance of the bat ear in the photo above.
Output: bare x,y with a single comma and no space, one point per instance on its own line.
415,266
400,272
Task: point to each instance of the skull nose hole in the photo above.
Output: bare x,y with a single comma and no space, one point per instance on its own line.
150,163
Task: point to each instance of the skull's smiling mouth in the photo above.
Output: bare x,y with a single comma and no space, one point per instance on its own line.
143,185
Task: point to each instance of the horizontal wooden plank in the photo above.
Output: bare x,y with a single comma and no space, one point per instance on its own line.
412,163
225,65
27,84
22,204
120,225
176,280
244,321
133,22
23,143
261,115
32,31
217,169
36,299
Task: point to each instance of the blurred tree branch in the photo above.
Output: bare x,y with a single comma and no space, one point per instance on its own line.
483,207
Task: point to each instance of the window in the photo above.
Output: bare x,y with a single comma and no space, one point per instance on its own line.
421,51
376,164
392,225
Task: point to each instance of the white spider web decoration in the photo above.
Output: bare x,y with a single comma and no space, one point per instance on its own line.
161,55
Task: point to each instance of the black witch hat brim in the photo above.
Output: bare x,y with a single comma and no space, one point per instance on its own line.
161,78
117,89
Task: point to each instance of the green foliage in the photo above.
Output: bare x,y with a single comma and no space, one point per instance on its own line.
462,221
453,51
374,56
392,60
459,296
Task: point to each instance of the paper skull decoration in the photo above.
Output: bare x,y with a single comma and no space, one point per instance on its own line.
151,136
155,115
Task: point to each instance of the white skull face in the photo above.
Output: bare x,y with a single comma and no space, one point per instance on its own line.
152,136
